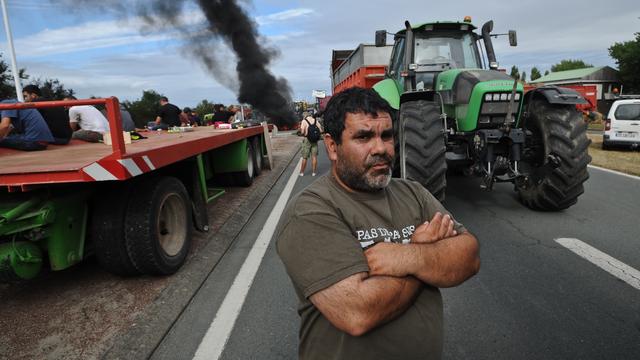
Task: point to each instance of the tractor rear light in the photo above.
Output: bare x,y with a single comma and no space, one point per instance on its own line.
404,73
607,124
487,97
484,119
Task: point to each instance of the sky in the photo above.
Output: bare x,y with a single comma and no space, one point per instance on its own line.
96,53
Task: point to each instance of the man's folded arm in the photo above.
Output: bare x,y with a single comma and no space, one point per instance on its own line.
360,303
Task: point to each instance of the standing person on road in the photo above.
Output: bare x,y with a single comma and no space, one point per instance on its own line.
311,129
87,122
367,253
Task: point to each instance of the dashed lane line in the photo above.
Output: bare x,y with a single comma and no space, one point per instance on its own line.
215,339
607,263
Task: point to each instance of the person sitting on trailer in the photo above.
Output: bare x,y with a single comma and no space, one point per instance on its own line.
87,122
56,117
222,115
127,121
195,118
168,116
23,129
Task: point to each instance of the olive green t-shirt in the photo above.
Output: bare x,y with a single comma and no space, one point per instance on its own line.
321,238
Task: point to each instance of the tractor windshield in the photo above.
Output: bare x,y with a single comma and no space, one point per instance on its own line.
458,49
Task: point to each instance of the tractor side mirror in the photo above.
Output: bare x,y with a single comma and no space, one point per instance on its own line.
381,38
513,38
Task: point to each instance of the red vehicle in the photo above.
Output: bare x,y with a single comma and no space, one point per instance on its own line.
133,205
363,67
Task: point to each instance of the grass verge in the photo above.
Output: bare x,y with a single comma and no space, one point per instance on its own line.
623,160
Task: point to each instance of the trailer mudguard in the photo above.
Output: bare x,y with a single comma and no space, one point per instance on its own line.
388,90
558,95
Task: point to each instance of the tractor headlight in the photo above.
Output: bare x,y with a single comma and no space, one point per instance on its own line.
517,96
487,97
504,97
496,97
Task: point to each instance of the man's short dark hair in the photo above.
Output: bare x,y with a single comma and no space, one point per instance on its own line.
32,89
164,98
354,100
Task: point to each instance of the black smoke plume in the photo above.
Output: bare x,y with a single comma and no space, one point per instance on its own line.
226,21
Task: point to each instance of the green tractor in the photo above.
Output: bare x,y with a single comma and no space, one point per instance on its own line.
456,115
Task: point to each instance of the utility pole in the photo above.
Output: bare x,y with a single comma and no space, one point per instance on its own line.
12,51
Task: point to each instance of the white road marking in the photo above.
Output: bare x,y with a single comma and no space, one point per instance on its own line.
615,172
97,172
215,339
607,263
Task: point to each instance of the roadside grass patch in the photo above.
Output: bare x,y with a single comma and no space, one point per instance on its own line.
619,159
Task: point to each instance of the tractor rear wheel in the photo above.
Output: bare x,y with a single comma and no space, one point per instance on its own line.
424,145
556,158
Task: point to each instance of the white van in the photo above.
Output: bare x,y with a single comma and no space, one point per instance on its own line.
622,126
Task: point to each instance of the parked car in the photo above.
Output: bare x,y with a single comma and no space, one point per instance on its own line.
622,125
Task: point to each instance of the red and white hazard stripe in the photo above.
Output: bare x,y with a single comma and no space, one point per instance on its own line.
121,169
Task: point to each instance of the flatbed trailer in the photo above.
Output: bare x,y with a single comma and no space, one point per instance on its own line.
132,205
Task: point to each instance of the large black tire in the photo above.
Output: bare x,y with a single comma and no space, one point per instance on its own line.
257,155
158,226
559,131
107,231
424,144
245,177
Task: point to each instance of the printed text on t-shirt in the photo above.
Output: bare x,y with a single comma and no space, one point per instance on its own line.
378,234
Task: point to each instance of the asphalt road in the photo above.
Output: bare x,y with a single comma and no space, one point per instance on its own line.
532,299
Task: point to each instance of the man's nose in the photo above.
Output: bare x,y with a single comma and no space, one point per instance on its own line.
378,146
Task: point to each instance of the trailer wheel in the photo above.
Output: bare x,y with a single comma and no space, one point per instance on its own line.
158,226
424,144
245,178
558,135
257,156
107,231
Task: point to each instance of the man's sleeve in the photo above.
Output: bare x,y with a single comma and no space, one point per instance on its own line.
318,250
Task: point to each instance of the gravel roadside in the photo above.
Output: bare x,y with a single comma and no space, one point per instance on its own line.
87,313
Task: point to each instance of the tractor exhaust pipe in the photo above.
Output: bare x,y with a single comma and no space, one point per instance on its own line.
488,45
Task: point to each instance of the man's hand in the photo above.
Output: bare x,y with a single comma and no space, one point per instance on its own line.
387,259
440,227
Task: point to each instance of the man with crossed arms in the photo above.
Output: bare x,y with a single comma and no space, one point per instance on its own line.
367,253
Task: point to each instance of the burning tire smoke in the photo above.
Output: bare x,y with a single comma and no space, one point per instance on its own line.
226,21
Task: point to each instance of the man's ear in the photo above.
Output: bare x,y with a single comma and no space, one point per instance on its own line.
332,147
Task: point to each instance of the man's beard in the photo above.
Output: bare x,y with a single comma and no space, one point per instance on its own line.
363,180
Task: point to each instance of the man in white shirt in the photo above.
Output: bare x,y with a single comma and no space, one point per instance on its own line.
87,122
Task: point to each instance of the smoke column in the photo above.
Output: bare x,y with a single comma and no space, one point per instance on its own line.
228,22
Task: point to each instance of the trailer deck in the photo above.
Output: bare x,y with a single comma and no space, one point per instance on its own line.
80,161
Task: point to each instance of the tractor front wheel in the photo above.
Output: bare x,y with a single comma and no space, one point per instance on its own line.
424,145
556,157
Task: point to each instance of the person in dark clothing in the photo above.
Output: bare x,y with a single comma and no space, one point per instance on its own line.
56,118
222,115
23,129
168,115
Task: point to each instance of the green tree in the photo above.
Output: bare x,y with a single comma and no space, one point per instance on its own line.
535,73
204,107
546,72
627,57
523,77
53,89
7,86
144,109
569,65
514,72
